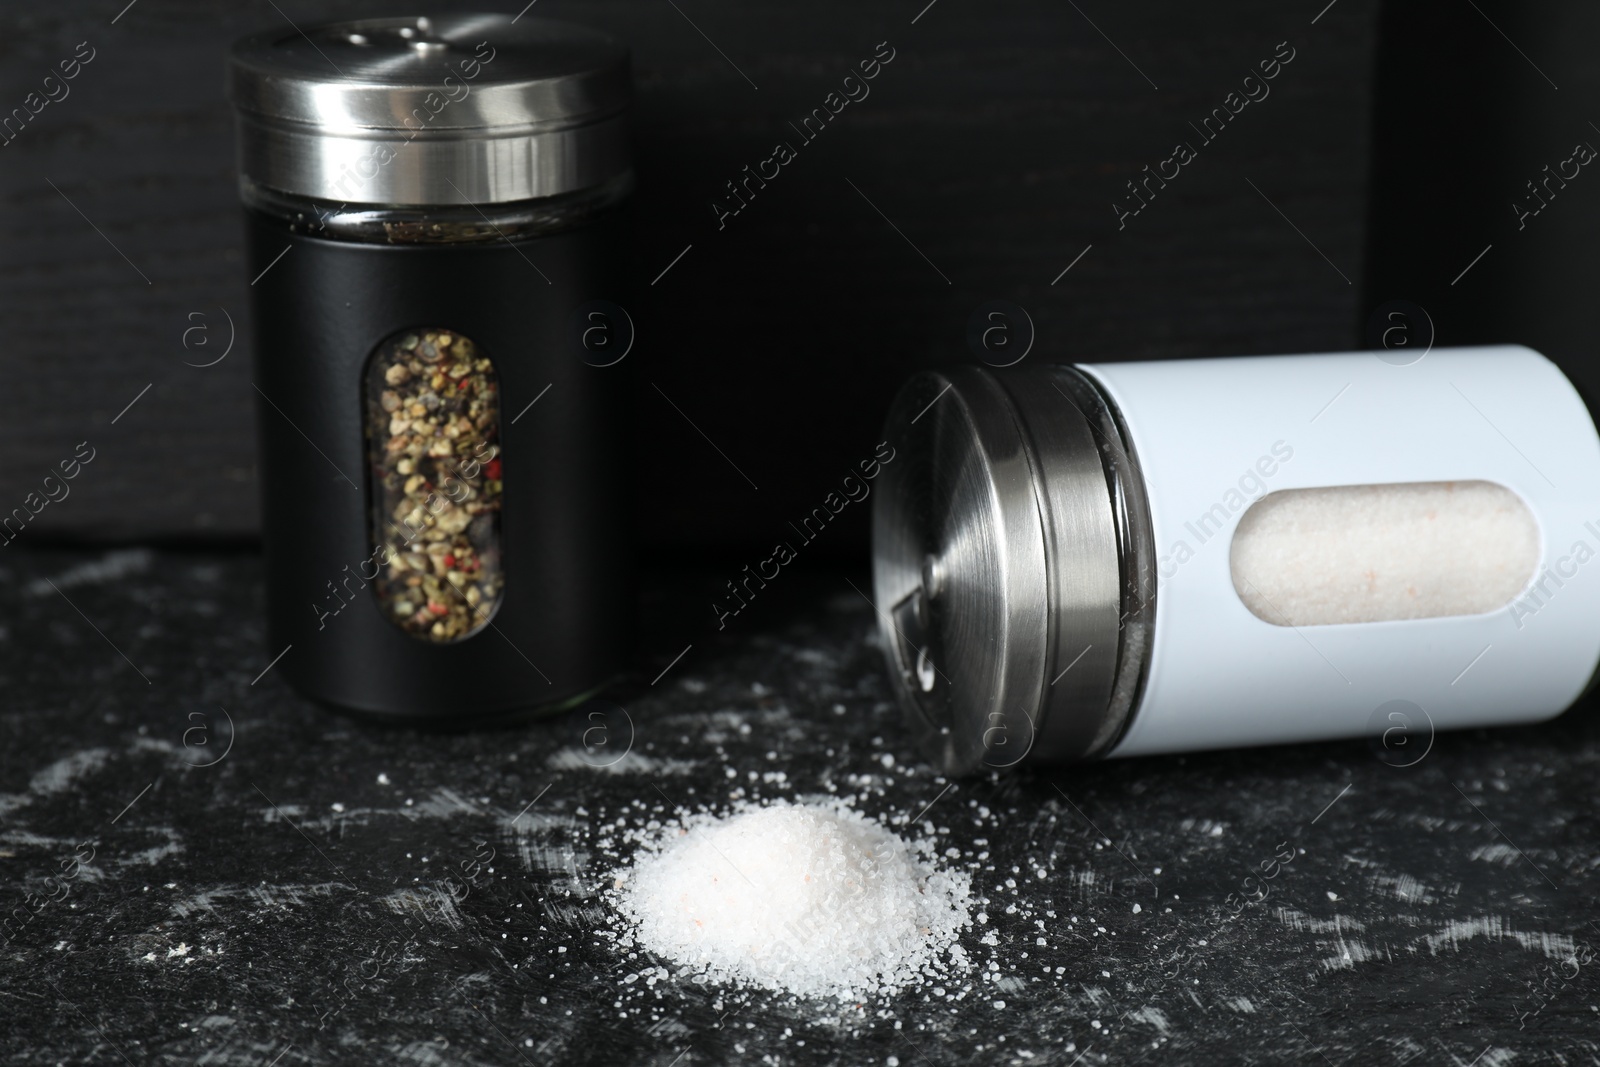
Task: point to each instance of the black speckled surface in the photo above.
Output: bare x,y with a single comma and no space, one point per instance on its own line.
322,893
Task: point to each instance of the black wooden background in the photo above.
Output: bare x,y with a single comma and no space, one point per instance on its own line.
996,141
1470,115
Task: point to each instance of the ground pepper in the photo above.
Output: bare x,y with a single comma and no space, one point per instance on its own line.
434,457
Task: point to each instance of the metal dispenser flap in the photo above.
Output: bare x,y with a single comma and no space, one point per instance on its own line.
998,558
957,552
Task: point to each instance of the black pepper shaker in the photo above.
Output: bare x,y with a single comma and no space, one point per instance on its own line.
435,240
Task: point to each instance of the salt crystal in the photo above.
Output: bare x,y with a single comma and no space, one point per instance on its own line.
812,898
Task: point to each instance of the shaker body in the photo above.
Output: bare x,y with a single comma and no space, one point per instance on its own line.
562,623
1219,675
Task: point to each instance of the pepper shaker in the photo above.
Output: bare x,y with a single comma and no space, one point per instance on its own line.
435,236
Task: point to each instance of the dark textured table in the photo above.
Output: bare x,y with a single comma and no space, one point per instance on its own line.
298,888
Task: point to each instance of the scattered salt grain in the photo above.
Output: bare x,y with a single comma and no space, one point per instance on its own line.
813,899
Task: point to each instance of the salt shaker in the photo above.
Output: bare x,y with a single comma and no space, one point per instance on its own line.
435,235
1075,562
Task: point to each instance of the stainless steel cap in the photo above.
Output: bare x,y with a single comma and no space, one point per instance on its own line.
1011,566
445,110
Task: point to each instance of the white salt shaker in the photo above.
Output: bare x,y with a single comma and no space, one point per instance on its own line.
1139,558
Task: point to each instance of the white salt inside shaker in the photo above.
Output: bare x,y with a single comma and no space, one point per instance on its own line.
1374,553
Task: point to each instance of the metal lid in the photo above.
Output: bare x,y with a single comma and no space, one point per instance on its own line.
1003,548
437,110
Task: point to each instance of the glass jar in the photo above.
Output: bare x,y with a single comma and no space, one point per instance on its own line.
435,245
1139,558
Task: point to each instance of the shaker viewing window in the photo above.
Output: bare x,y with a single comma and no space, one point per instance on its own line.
433,433
1379,553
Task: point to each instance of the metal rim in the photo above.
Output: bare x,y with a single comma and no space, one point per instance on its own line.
1094,736
455,224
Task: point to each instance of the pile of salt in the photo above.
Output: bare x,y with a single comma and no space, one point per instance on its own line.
813,899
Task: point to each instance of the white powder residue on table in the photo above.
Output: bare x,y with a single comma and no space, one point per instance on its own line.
813,899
